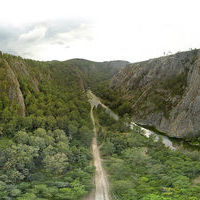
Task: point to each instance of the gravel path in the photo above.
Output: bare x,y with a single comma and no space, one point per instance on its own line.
102,188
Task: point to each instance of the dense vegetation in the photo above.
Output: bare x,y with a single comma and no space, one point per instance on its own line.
44,153
43,165
140,168
113,99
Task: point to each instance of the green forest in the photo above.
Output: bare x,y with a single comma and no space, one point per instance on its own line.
140,168
46,134
44,154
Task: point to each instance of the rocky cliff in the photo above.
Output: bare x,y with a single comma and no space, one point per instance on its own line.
10,87
164,93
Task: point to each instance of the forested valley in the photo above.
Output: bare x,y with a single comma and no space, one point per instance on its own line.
46,134
44,152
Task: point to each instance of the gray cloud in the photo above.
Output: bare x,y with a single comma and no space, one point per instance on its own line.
55,27
25,40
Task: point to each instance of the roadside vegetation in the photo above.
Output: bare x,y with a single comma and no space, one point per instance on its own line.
141,169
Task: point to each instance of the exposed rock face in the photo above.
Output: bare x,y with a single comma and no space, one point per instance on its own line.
164,92
12,72
11,87
21,70
14,92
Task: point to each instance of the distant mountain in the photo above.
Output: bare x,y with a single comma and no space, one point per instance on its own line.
164,93
95,72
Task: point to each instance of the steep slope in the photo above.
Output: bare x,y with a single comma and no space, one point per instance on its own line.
39,90
10,87
164,93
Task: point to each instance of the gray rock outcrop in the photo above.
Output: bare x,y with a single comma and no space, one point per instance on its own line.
164,92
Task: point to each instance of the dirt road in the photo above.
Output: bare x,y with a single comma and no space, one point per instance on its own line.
102,189
95,101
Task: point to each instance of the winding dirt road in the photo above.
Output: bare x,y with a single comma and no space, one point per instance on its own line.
101,182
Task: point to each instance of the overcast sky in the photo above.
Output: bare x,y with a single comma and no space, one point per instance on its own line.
98,30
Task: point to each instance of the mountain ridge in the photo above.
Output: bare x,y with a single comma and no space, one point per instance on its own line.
164,92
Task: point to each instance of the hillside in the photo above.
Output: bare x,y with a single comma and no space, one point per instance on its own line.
163,93
29,87
45,127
